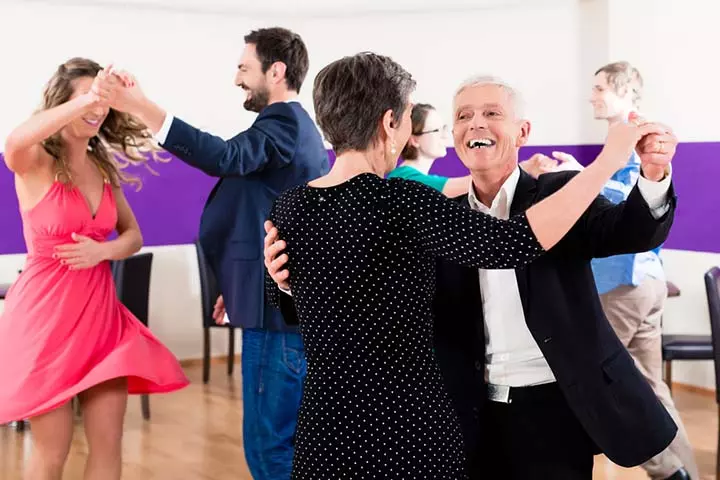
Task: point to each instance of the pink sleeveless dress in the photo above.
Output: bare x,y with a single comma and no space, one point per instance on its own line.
64,331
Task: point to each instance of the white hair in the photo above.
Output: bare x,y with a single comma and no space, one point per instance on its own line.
515,96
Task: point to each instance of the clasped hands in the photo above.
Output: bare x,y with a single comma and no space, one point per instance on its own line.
656,152
114,88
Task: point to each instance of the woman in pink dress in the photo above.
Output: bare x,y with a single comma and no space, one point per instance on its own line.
64,332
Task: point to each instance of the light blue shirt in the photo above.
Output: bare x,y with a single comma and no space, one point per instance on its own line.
629,269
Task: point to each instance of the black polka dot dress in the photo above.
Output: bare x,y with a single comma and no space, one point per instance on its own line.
361,261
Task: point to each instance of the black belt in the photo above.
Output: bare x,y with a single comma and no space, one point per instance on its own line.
506,394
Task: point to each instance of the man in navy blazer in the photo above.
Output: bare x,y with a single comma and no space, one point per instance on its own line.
282,149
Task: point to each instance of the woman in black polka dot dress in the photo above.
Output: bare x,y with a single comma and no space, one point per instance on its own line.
361,258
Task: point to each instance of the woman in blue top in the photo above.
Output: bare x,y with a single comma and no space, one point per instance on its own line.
426,144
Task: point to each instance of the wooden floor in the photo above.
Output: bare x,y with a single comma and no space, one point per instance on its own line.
195,434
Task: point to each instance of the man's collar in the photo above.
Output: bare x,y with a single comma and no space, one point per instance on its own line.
505,194
524,193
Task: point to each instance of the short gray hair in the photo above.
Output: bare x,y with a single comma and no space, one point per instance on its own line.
352,94
515,96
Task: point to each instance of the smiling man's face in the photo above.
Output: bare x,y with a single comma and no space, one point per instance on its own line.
486,129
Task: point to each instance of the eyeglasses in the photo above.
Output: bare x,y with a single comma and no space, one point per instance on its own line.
443,129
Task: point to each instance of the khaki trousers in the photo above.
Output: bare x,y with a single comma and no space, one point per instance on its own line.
635,314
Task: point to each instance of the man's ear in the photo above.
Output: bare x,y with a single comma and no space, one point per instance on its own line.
524,135
277,71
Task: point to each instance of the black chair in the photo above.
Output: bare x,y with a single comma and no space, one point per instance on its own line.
701,347
712,285
20,424
209,292
684,347
132,283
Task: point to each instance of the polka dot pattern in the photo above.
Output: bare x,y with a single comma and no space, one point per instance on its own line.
362,268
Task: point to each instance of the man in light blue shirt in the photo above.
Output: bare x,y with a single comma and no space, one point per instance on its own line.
633,287
631,269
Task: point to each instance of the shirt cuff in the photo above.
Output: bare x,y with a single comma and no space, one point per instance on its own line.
655,193
161,136
285,291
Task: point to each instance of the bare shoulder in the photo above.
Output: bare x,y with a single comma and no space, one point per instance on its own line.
34,182
119,193
30,161
126,219
121,201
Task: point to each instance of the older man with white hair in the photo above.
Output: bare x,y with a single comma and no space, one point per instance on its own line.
556,384
538,376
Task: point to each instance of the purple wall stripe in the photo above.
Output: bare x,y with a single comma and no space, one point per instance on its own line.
169,206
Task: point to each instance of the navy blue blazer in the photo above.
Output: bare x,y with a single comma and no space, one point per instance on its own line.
602,385
282,149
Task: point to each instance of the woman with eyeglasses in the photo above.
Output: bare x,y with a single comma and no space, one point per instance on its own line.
426,144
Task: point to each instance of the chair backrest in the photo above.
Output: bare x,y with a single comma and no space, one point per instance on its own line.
132,283
209,290
712,286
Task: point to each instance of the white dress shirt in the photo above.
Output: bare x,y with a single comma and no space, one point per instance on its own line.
161,135
513,358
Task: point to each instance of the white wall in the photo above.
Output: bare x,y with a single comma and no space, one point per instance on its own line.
672,44
186,62
669,42
307,8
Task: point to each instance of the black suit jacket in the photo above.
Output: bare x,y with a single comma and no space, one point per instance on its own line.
598,377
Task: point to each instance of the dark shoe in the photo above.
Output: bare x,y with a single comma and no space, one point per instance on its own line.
681,474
